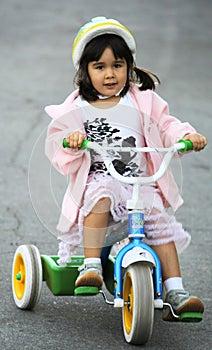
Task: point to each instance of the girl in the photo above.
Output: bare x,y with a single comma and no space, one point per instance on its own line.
115,101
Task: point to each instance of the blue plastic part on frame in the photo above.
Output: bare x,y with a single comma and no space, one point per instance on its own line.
136,223
157,275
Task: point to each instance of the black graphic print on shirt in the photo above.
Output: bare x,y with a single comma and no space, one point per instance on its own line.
98,130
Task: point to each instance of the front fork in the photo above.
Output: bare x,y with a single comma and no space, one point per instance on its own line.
157,275
136,233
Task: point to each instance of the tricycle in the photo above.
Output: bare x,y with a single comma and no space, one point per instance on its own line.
133,276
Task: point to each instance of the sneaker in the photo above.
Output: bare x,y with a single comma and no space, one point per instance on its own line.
90,275
189,308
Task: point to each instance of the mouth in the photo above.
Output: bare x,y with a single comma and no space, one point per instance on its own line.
110,85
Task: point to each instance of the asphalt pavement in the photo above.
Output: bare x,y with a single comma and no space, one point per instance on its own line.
174,39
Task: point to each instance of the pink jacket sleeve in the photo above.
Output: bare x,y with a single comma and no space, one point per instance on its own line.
65,160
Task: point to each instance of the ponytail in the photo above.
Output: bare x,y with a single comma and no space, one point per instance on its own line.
145,79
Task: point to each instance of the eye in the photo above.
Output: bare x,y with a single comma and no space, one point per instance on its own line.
99,67
119,64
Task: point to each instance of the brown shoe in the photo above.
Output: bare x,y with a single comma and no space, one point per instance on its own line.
189,308
90,275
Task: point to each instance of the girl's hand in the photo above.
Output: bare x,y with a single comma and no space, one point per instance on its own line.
199,141
75,139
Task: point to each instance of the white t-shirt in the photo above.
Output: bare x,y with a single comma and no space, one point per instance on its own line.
119,125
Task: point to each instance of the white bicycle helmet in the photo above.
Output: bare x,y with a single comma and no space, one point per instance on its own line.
98,26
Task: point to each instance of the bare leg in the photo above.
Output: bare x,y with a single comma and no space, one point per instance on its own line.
95,225
168,256
182,303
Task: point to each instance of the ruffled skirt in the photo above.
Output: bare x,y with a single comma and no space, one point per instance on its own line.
161,227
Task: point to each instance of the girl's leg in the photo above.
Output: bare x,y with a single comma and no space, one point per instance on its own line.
95,226
181,301
168,256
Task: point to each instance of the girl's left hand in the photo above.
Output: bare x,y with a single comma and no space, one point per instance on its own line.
199,141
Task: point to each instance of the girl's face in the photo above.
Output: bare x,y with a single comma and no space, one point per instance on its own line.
108,75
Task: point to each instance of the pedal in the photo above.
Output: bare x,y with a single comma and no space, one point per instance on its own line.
86,291
190,317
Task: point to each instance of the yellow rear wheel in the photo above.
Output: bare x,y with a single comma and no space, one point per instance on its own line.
26,276
19,276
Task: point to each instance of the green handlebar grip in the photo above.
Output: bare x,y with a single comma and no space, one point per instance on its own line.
84,144
188,145
65,144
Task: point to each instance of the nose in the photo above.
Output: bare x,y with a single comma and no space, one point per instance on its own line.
109,73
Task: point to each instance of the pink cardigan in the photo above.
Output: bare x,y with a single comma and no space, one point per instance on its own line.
160,130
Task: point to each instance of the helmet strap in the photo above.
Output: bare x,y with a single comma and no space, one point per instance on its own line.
104,97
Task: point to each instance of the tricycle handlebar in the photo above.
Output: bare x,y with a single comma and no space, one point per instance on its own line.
105,152
181,146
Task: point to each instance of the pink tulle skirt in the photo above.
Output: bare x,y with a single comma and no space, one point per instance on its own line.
161,226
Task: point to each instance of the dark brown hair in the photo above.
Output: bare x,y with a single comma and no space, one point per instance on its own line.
94,50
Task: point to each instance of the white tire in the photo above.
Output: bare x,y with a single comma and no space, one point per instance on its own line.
26,277
138,311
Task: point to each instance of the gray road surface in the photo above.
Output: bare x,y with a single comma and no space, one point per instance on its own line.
174,40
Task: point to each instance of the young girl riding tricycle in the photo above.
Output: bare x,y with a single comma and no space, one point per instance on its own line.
115,101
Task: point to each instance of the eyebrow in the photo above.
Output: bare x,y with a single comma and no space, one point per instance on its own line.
97,63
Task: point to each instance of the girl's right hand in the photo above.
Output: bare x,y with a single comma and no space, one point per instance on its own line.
75,139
